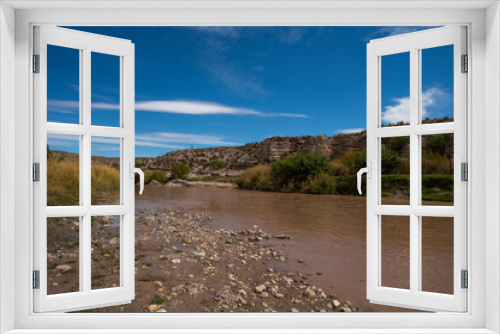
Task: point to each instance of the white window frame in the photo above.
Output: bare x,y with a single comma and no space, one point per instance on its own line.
86,44
414,43
482,19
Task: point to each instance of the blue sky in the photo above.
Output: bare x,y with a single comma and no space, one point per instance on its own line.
221,86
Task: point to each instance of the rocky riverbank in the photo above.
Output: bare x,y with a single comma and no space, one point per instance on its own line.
194,184
184,265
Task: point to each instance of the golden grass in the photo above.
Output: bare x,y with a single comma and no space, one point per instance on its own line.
257,177
63,182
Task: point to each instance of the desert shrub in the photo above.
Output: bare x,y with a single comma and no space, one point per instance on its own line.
339,169
390,162
390,183
180,171
435,163
347,185
150,175
404,166
396,144
442,182
258,178
219,164
354,161
320,184
293,171
436,144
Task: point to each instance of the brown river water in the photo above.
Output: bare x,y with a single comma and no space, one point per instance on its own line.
328,235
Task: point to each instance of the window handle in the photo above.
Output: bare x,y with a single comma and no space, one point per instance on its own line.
141,175
368,171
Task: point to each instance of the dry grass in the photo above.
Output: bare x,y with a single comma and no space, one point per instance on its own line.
63,182
257,177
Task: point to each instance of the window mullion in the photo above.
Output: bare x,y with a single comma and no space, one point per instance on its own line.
85,245
414,169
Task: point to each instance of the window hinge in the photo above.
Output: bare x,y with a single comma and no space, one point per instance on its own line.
36,172
465,279
465,64
464,171
36,63
36,279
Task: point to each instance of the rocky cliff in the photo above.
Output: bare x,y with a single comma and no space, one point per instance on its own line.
232,160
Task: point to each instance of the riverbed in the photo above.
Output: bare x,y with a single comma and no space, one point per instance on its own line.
328,236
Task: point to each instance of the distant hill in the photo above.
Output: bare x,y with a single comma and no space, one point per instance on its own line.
232,160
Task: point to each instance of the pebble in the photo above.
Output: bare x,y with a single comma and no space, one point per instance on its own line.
260,288
310,293
63,268
294,310
264,295
153,308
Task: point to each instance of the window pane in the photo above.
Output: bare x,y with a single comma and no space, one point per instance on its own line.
63,170
105,171
396,251
437,169
437,254
437,85
63,85
395,89
105,252
395,155
63,255
105,90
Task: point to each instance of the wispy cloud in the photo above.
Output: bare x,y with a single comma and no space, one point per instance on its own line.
353,130
400,110
223,31
291,35
173,106
394,31
71,143
181,139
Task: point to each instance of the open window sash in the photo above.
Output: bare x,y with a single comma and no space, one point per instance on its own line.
414,297
85,297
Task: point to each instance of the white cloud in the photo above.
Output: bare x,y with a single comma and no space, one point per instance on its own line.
354,130
400,110
177,107
163,138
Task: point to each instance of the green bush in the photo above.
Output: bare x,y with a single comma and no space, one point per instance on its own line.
390,162
436,144
294,171
354,161
396,144
180,171
220,164
321,184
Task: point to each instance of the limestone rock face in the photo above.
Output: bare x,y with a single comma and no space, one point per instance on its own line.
231,161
